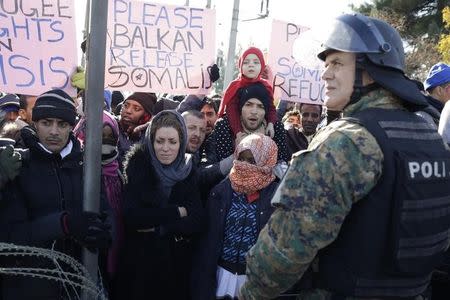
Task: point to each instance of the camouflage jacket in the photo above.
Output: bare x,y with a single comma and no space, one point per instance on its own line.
341,166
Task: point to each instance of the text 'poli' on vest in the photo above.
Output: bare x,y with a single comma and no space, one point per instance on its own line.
429,169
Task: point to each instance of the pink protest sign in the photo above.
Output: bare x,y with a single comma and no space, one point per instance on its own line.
37,46
159,48
297,81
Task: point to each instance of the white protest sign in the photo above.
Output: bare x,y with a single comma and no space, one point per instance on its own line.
159,48
38,50
297,81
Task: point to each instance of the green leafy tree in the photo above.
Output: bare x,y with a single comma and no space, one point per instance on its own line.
420,24
444,42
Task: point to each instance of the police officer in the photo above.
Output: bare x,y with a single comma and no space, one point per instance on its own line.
370,198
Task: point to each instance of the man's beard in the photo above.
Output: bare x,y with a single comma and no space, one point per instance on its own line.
309,129
251,129
127,125
128,128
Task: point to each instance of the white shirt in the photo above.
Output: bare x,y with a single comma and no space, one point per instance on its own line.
64,152
444,123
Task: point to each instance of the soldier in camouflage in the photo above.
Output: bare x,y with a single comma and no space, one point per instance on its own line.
363,213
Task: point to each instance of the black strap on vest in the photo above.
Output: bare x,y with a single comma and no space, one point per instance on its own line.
392,239
337,297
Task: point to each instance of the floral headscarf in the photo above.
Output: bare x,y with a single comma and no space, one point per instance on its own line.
251,178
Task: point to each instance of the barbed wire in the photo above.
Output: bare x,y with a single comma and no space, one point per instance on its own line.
73,276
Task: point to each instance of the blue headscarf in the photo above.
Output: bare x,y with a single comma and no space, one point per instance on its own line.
180,168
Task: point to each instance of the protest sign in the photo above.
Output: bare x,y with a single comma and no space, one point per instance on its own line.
159,48
297,81
37,46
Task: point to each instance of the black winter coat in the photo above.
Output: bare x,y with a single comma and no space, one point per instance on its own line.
296,140
209,175
206,257
221,142
31,214
157,255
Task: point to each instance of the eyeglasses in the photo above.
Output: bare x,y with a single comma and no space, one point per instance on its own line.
307,114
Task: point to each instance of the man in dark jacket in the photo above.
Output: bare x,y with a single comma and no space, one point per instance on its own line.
209,174
310,117
43,205
253,107
209,110
26,103
9,106
310,114
136,110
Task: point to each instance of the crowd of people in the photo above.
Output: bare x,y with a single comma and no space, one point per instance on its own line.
228,197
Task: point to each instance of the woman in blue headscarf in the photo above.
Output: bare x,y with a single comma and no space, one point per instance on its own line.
162,212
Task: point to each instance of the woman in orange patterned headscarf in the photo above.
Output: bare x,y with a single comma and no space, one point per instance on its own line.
250,176
238,208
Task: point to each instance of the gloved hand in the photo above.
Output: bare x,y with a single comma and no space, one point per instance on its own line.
140,128
10,163
280,169
239,137
78,79
270,131
88,229
214,73
226,164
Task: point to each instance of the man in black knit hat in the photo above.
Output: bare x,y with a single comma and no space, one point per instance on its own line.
253,107
43,205
136,110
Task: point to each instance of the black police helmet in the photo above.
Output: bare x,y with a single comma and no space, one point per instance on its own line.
382,47
357,33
